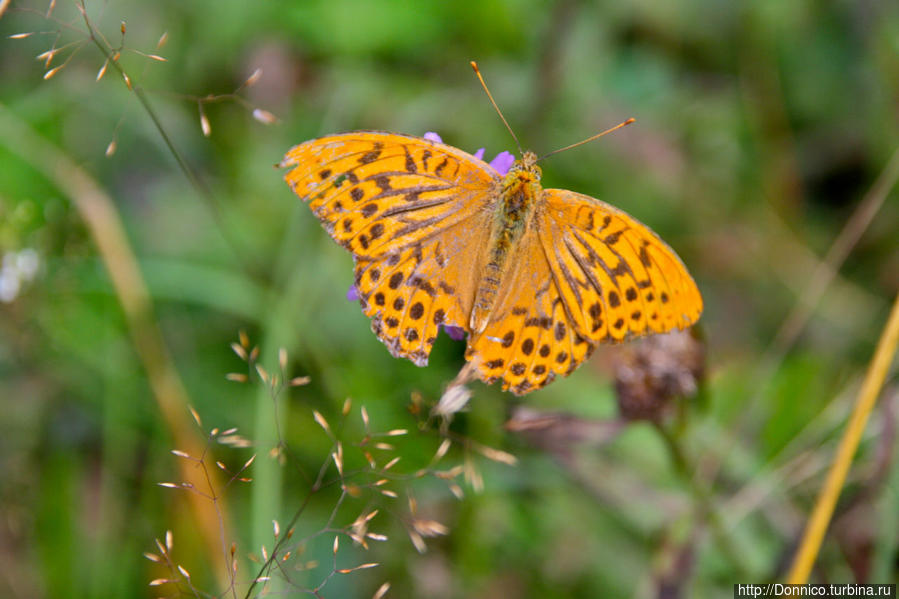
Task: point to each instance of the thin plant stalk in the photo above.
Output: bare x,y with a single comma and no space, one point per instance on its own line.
268,487
704,501
202,190
826,271
836,476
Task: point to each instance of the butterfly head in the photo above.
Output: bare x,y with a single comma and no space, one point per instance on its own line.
523,171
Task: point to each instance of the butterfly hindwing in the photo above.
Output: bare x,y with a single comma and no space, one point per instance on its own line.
531,338
410,293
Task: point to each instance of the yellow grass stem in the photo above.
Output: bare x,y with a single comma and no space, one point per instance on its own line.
102,219
836,477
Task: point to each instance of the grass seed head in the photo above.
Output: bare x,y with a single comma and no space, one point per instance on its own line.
264,116
53,71
204,124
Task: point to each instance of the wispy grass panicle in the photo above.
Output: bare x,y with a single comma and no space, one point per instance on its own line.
362,472
71,36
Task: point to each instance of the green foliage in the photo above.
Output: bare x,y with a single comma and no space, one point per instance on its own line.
760,127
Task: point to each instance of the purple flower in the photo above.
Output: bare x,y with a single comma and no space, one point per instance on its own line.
455,333
503,162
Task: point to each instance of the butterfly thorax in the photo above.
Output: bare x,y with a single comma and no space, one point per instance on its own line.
518,194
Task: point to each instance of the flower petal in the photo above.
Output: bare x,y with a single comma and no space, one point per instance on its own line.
479,154
431,136
455,333
503,162
352,294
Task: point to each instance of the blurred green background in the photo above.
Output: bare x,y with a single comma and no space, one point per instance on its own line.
761,127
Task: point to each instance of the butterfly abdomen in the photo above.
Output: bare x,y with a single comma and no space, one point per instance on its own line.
519,194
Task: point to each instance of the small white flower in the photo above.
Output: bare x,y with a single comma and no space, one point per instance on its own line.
27,263
18,267
9,284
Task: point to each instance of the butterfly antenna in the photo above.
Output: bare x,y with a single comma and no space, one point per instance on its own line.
474,65
589,139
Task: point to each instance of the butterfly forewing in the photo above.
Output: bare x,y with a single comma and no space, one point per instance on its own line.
376,192
616,276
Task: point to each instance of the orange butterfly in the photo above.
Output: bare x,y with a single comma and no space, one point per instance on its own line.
536,277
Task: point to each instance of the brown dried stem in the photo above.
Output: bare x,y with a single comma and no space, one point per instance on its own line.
828,268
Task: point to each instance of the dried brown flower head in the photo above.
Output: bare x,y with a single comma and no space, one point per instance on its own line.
652,372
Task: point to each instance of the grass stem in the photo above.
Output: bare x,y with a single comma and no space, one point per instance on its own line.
836,476
704,502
